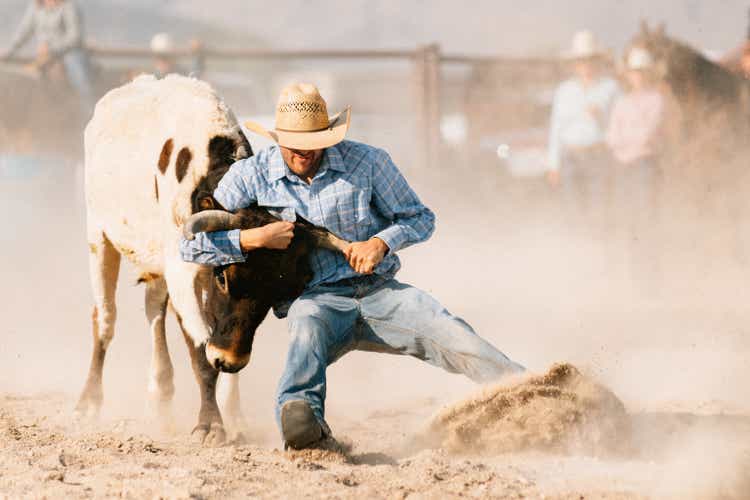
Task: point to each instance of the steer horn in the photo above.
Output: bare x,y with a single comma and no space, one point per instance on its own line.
210,220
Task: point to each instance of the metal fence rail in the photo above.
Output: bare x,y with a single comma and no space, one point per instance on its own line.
427,61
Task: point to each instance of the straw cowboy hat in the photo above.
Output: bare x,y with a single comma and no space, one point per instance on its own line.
639,59
302,120
584,46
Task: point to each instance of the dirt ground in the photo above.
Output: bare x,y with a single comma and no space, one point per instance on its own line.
47,455
678,359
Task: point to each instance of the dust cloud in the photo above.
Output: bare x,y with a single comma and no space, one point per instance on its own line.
559,411
655,317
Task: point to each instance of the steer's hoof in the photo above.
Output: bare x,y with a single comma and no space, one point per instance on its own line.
212,434
238,439
159,416
87,410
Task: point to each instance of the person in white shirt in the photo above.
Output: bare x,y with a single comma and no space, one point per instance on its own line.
577,156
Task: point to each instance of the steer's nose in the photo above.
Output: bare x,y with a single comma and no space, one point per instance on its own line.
225,360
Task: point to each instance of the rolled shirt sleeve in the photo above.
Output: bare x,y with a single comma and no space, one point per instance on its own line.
413,222
217,248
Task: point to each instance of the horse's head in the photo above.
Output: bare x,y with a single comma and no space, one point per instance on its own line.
663,50
689,74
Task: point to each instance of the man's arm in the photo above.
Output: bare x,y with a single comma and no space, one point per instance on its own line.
394,198
73,30
412,222
24,31
227,247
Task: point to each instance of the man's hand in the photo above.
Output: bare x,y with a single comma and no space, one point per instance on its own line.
364,256
42,54
276,235
553,177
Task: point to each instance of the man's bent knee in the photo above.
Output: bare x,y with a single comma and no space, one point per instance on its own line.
309,331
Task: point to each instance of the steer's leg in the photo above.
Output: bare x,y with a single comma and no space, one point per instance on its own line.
183,281
210,428
104,267
230,386
160,382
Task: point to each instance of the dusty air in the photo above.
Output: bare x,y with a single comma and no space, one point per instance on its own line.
375,249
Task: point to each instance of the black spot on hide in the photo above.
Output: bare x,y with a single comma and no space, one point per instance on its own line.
165,155
182,164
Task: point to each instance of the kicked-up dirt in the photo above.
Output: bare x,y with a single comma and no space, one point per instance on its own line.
559,435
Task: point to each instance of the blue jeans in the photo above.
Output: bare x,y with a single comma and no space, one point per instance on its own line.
76,64
377,314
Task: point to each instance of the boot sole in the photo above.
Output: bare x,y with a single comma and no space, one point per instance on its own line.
299,426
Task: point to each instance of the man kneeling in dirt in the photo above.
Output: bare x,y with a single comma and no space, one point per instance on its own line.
353,300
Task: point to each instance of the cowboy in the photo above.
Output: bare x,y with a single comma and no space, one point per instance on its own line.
636,117
580,112
353,300
634,135
58,28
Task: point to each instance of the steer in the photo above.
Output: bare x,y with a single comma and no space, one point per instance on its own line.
151,147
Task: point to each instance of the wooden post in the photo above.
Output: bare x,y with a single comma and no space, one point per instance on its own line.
427,98
432,74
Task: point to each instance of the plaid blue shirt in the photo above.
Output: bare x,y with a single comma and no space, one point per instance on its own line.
357,193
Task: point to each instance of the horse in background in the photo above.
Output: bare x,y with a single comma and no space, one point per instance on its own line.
706,92
704,166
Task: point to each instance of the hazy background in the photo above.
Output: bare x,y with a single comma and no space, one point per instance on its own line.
503,256
474,27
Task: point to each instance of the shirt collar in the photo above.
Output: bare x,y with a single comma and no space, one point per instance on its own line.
276,166
331,159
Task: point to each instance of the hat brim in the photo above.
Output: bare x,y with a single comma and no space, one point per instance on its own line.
319,139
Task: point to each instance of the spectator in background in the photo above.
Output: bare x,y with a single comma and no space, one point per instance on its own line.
636,118
745,61
634,135
577,156
164,48
57,26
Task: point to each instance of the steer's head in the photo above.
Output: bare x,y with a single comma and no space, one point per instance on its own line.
239,296
235,320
